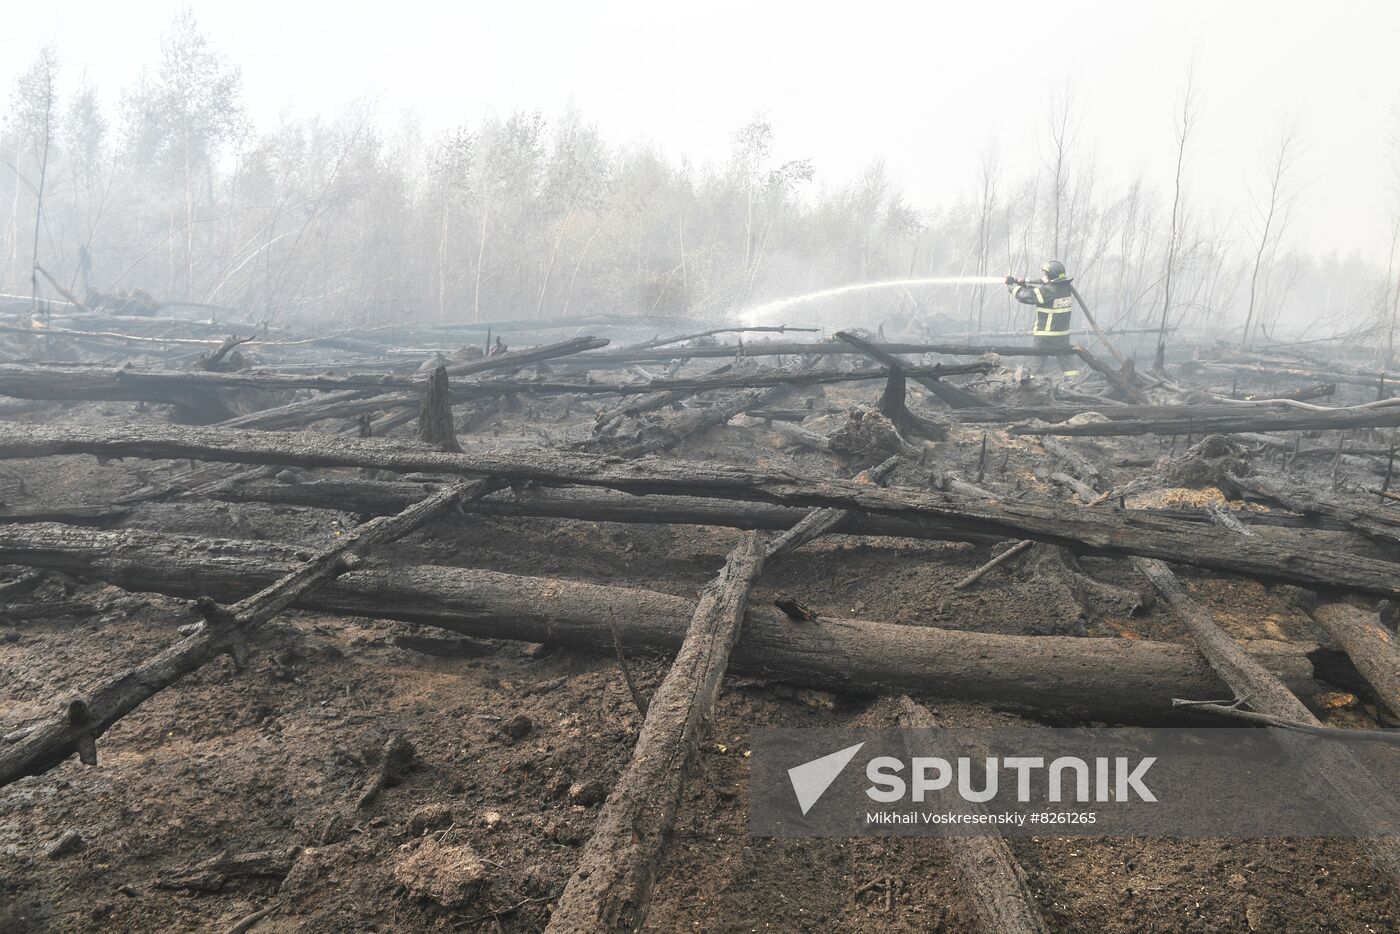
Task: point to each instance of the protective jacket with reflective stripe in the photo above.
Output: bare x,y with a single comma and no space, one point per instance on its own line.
1054,304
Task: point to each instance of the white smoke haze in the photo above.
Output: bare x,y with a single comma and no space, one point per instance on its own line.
788,164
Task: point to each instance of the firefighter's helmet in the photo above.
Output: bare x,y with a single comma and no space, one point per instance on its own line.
1052,270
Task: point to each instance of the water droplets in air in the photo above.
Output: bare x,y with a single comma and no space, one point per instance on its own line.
763,314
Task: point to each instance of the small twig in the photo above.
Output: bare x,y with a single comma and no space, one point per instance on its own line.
247,923
510,909
1234,711
1006,555
637,697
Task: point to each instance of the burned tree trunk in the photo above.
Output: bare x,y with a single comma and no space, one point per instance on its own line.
1353,793
435,420
1371,648
1376,524
611,888
380,497
992,881
951,396
1117,680
1386,416
893,405
1119,381
1100,530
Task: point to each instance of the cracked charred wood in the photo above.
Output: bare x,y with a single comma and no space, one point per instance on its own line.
1109,409
435,418
1291,373
992,881
1078,464
665,433
795,435
1101,530
1120,380
951,396
1116,680
1352,792
1375,524
108,384
214,360
648,403
1244,419
213,874
380,497
611,888
84,719
100,516
1370,646
1301,394
894,406
352,403
819,522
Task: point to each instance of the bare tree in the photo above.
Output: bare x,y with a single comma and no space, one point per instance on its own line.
1185,123
1062,128
35,102
989,185
1273,216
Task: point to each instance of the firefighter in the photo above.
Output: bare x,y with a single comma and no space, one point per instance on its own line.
1054,304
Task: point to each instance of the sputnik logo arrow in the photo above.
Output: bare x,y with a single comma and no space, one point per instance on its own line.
810,780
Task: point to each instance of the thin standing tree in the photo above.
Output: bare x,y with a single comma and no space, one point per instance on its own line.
1185,124
1273,217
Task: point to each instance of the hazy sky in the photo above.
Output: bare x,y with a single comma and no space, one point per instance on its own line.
922,85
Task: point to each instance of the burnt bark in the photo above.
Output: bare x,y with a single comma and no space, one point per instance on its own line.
1245,419
611,888
1114,680
1100,530
1351,791
435,419
1118,380
1375,524
951,396
992,881
1370,646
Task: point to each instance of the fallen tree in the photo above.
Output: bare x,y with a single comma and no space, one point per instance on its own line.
1113,411
376,497
1100,530
1115,680
1370,646
123,384
952,396
787,349
1376,524
611,888
352,403
991,880
1351,792
1245,418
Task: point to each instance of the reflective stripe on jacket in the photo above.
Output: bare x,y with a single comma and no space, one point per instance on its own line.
1054,306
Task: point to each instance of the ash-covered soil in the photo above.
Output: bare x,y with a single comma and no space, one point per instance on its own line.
516,745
